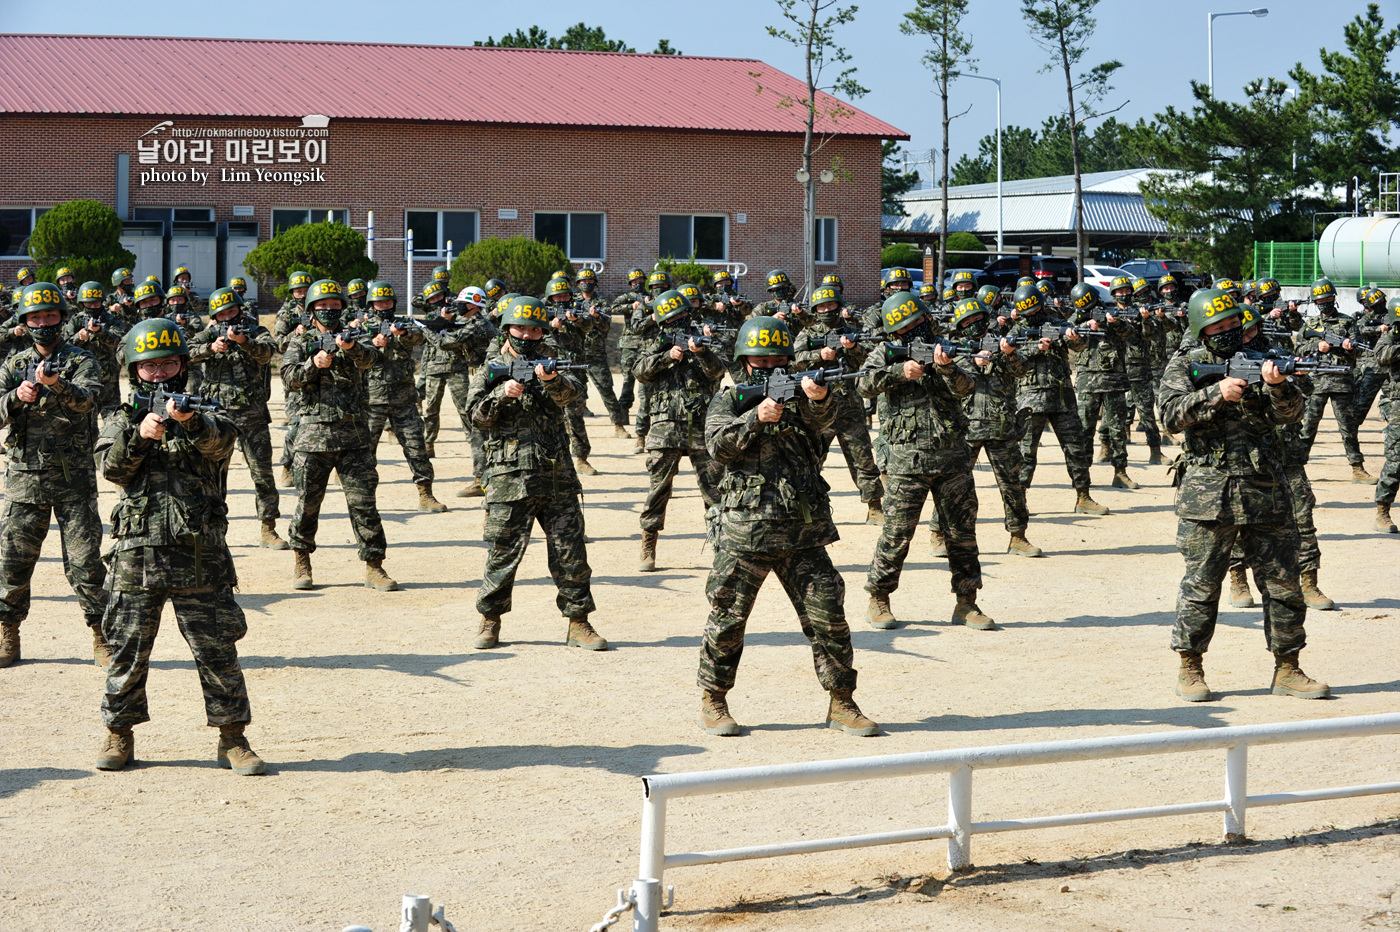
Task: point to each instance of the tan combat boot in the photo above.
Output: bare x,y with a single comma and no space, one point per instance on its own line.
426,502
641,445
879,613
1121,480
1105,454
1022,547
489,634
118,749
9,643
936,544
235,754
648,564
1155,457
714,714
472,489
1359,475
301,576
1383,522
581,634
844,715
1240,596
967,613
101,653
1191,680
1085,505
621,433
1313,595
875,513
287,480
1290,680
584,467
376,578
269,538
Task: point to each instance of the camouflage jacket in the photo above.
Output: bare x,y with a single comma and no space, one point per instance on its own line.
568,336
922,420
1101,363
623,304
105,343
992,407
1369,325
50,442
595,339
335,400
1388,361
1046,385
772,495
1138,339
458,351
122,306
849,360
236,378
170,520
287,320
185,316
527,449
1233,455
1332,383
682,392
797,320
391,377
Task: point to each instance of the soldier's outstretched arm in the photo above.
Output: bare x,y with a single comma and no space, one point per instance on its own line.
729,434
212,434
78,392
483,405
1180,403
563,388
649,366
261,347
121,450
294,369
881,379
817,415
711,364
959,382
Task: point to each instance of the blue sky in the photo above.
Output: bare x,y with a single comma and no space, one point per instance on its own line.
1162,44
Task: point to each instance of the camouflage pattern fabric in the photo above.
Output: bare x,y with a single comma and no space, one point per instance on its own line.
255,442
579,444
507,532
408,428
1069,433
850,424
334,402
628,344
1144,401
436,388
359,479
23,527
1047,396
1007,466
105,343
955,500
238,379
1114,407
48,449
1339,387
1344,410
1388,361
663,466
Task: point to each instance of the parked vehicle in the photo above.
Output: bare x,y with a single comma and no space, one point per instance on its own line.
978,276
1101,276
1058,269
1185,273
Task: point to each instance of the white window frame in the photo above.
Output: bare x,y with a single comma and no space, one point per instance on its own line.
33,219
428,255
692,216
569,232
313,215
835,240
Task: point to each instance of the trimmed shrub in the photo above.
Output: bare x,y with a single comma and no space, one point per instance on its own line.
323,250
524,264
82,235
905,255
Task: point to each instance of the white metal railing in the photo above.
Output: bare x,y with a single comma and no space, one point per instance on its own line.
659,789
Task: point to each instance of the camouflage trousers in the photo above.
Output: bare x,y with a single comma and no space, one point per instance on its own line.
601,376
1344,410
627,395
1301,493
1115,422
1069,432
23,527
507,532
359,478
408,428
1142,400
1389,481
292,408
212,624
816,591
575,427
955,505
663,466
854,435
255,441
1371,382
434,390
1270,549
1005,457
644,392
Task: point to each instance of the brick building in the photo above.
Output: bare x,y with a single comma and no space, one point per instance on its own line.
619,158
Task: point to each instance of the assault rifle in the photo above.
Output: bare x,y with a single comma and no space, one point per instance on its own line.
31,373
328,340
1053,331
227,331
153,402
922,353
716,328
832,340
1324,335
1249,365
783,387
523,370
681,339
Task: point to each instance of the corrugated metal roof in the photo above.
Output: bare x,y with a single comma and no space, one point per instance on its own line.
474,84
1121,181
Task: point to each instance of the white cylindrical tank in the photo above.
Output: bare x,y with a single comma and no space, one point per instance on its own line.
1361,249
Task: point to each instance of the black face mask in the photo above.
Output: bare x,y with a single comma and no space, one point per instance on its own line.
527,349
975,330
1328,310
46,335
1259,343
1225,344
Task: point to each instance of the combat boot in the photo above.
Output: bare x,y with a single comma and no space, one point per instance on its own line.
1022,547
1085,505
648,564
1290,680
118,749
583,466
376,578
9,643
641,445
1359,475
880,614
620,432
236,755
967,613
426,502
581,634
269,538
1313,595
875,513
844,715
472,489
1105,454
714,714
1155,457
1240,596
301,576
936,544
101,653
489,634
1191,680
1383,522
287,480
1121,480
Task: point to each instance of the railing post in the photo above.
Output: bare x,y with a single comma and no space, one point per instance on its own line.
369,240
646,913
1236,789
408,246
960,818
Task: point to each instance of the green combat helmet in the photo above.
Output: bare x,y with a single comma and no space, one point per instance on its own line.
833,280
668,306
120,275
1142,290
778,281
897,276
1083,297
1024,280
1120,283
525,312
690,293
825,295
634,276
381,291
24,273
90,291
440,273
1324,292
356,286
1209,306
967,311
147,290
587,277
900,310
929,292
432,290
659,279
1028,301
722,279
495,288
330,318
558,286
989,296
763,336
156,338
222,299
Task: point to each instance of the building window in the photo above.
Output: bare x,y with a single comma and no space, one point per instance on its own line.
824,241
703,236
177,214
284,218
581,236
434,229
16,223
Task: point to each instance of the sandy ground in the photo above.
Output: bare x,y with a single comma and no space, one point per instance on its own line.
504,783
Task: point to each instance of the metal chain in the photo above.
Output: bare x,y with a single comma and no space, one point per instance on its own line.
626,899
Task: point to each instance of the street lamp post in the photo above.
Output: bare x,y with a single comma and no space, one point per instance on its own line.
1261,12
1001,244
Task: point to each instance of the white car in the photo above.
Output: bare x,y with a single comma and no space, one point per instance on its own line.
1100,276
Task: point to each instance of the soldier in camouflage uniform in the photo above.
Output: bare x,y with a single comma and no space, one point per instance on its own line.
1340,388
1138,338
235,353
93,328
184,279
169,529
774,516
1232,487
1372,378
1102,377
356,300
1388,362
682,380
393,400
628,342
67,283
288,324
783,304
121,301
568,330
330,371
922,419
448,364
48,400
528,478
595,349
643,326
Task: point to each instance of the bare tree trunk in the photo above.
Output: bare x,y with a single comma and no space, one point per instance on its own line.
809,259
1080,241
943,227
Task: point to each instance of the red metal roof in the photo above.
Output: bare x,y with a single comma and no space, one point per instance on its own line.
474,84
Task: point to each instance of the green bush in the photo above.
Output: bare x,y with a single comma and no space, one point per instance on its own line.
524,264
688,271
323,250
965,241
905,255
85,236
